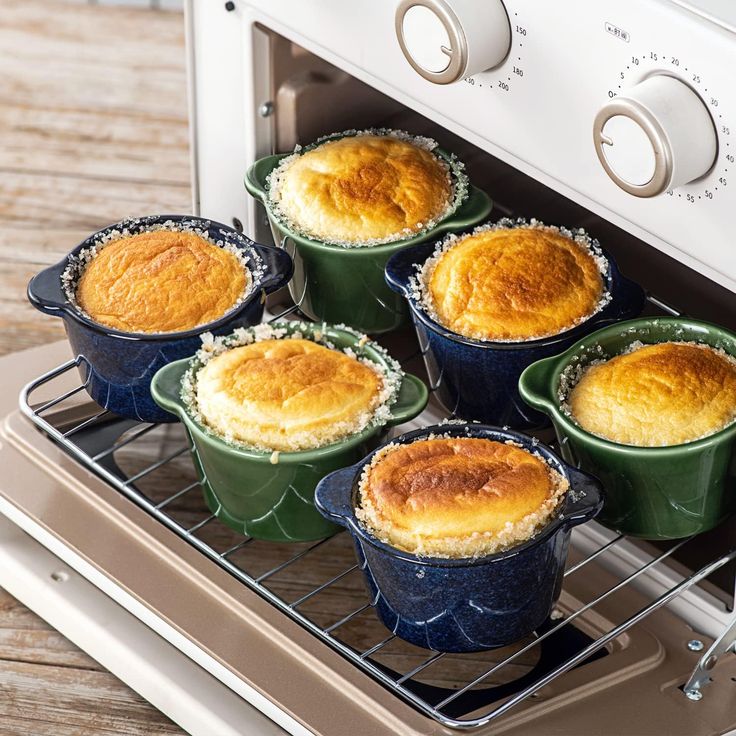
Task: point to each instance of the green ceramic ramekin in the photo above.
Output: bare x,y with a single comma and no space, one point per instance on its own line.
271,497
346,285
651,492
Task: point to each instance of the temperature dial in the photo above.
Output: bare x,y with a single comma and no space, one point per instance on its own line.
447,40
655,136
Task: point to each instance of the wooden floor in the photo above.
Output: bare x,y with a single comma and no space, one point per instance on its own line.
93,128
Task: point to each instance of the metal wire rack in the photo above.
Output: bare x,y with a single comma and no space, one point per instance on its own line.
105,443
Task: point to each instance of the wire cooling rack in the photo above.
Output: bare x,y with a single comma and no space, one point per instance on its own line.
151,465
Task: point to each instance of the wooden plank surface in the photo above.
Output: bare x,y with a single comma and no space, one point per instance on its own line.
93,128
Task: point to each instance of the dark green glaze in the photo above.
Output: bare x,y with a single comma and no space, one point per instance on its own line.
651,492
346,285
268,500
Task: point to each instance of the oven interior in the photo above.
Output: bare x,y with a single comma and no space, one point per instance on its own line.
591,643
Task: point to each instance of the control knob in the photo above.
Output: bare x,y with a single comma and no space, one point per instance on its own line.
655,136
446,40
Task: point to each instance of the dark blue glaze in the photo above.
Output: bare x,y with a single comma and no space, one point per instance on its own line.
479,381
464,605
117,367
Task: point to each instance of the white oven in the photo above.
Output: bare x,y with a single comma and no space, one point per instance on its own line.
619,118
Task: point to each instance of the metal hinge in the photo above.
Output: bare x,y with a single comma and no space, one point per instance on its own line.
700,677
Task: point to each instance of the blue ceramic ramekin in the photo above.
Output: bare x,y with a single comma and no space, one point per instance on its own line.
469,604
478,380
117,367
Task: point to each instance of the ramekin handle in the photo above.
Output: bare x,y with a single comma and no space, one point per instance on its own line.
476,208
45,292
332,495
279,265
534,384
413,397
631,297
585,500
401,267
166,386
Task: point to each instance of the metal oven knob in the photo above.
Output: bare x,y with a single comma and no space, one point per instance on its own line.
445,41
655,136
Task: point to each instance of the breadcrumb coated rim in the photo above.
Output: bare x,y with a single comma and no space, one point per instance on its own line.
553,524
566,378
421,301
389,370
78,259
458,179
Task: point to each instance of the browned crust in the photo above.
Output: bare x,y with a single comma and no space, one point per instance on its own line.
457,497
515,283
160,281
657,395
286,395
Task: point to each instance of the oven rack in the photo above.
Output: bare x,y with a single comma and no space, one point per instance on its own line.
445,708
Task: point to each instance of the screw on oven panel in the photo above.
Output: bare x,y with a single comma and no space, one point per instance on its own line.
693,694
266,109
695,645
229,6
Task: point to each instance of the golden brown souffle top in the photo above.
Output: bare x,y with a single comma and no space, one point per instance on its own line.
161,281
514,284
657,395
286,395
362,189
457,497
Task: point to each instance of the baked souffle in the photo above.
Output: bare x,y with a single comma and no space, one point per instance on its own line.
457,497
363,189
657,395
287,393
161,281
512,282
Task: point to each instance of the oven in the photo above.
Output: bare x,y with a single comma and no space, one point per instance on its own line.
621,120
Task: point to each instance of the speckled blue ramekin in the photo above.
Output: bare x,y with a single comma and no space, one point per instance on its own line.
478,380
117,367
469,604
